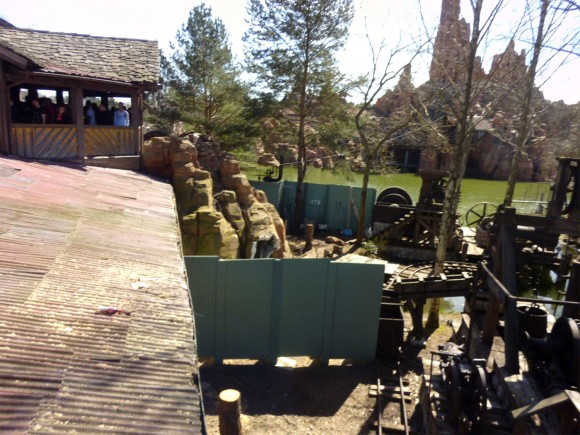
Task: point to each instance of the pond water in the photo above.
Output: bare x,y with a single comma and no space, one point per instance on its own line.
473,191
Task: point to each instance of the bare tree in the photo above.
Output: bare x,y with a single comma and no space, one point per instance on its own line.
457,92
550,23
375,136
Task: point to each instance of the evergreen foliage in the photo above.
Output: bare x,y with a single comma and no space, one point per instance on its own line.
290,48
202,85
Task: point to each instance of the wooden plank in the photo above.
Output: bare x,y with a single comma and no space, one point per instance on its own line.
390,389
541,406
391,427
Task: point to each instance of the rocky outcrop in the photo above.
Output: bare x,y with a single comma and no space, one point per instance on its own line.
217,206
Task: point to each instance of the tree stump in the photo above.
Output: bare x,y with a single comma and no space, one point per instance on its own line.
229,412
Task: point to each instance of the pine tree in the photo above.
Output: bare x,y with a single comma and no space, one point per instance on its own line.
290,47
202,81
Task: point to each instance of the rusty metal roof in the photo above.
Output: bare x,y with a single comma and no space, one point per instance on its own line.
73,239
119,59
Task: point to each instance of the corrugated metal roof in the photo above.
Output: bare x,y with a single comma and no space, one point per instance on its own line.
71,240
119,59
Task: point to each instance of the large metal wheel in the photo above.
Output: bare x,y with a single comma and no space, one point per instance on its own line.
395,195
453,384
476,214
480,394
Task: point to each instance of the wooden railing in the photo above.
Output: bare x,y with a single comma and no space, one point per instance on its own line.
40,141
104,140
54,141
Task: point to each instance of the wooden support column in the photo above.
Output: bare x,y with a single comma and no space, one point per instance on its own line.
229,411
573,292
5,114
78,118
136,120
508,279
560,187
416,311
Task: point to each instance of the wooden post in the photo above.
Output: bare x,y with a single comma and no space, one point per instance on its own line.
76,107
573,292
5,114
229,412
309,236
508,279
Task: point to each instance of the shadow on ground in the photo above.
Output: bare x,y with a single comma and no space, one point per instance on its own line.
315,391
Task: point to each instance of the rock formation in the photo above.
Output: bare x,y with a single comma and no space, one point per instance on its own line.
218,209
491,151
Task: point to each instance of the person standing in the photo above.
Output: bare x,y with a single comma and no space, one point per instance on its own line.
90,118
121,116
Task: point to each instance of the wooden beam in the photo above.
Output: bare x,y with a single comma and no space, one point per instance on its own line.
76,108
5,114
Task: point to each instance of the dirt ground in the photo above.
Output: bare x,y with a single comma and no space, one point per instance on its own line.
301,395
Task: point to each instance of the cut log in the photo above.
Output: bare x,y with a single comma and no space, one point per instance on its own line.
229,412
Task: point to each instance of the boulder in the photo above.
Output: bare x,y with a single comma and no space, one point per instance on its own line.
193,194
261,238
268,159
156,158
207,232
231,210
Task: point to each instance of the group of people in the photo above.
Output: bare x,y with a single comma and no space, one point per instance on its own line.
40,111
101,115
43,111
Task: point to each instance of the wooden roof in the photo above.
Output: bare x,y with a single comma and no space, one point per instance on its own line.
73,239
118,59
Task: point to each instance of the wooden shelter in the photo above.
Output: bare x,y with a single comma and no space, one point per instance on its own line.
73,69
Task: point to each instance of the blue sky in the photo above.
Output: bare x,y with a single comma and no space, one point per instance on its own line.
154,20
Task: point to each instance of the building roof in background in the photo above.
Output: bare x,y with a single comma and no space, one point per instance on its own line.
117,59
73,239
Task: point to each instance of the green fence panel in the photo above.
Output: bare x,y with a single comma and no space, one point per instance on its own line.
262,309
201,275
302,306
356,310
315,204
337,207
244,306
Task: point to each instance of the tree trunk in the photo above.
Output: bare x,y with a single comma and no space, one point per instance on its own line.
360,232
524,127
459,162
299,200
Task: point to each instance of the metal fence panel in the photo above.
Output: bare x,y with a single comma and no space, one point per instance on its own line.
202,277
315,204
303,304
262,309
356,310
338,208
244,308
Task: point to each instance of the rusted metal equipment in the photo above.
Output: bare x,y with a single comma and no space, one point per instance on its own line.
408,231
274,173
514,240
555,356
465,384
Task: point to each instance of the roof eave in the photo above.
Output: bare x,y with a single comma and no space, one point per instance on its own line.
14,58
